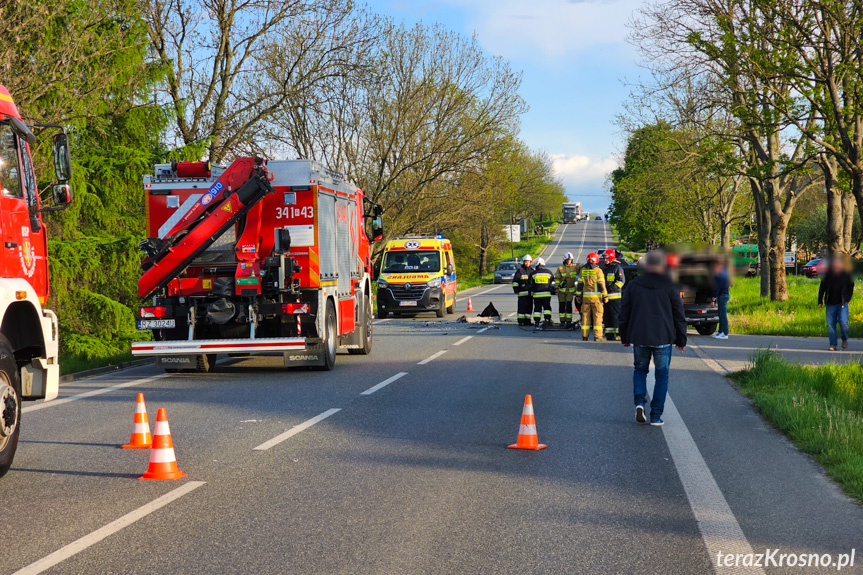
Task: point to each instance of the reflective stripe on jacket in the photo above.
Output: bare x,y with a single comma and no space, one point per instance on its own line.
614,280
593,283
542,282
521,281
566,278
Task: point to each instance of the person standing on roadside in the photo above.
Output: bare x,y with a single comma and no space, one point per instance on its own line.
835,292
542,287
721,295
521,287
591,296
566,277
652,320
614,280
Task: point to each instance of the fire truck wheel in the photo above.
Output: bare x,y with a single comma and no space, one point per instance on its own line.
366,329
10,406
330,338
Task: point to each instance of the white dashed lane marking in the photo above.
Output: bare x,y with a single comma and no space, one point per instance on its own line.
297,429
432,357
384,383
98,535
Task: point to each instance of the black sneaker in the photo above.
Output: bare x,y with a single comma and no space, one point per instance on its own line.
639,414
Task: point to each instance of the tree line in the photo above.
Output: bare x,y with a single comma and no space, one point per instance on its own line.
751,110
418,116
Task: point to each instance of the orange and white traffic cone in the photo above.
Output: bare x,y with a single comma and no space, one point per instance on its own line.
163,462
527,438
469,305
141,437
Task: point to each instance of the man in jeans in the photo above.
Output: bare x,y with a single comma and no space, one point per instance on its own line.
835,291
721,295
652,320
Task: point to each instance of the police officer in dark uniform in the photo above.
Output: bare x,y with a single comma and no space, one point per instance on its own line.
521,287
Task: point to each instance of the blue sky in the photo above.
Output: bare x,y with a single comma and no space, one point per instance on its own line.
574,57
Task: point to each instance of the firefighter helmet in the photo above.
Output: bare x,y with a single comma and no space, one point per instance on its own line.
527,258
567,256
540,262
610,256
593,258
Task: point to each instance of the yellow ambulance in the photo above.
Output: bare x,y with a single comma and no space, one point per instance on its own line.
417,275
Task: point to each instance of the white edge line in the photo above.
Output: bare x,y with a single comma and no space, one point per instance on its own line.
462,340
483,329
382,320
716,522
94,392
296,429
113,527
432,357
384,383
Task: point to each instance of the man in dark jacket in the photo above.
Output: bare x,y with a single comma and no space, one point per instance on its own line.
835,292
652,320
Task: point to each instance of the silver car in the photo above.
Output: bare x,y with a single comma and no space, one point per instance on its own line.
504,272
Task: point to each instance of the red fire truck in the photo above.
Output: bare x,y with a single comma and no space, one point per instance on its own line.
29,368
255,257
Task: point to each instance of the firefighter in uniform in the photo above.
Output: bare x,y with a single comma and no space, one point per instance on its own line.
521,287
592,295
566,277
614,280
542,287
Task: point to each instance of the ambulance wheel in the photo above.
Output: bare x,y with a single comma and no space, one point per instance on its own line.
451,309
330,338
366,331
440,312
10,406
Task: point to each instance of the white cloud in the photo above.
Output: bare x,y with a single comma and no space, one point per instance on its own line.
552,28
583,172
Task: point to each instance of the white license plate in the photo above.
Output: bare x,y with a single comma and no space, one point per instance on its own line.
408,303
156,323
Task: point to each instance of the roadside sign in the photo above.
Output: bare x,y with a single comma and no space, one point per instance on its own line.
790,259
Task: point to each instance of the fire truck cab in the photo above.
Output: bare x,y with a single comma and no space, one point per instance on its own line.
29,367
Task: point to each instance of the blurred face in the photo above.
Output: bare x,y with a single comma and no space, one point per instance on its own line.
837,265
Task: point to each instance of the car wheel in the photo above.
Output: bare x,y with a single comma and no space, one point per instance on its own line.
707,328
383,314
10,406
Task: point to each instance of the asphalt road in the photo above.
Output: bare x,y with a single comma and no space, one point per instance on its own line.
414,476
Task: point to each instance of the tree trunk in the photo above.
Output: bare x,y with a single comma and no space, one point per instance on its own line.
763,221
483,249
848,206
779,223
835,219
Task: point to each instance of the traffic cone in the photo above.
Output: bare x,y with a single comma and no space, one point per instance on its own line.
141,437
163,462
527,438
469,305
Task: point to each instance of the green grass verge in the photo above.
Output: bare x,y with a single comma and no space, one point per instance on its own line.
74,364
800,316
819,408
